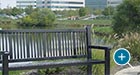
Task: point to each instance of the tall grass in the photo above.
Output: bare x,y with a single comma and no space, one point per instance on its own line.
131,41
99,69
99,54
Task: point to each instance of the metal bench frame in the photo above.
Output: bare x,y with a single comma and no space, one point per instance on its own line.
5,54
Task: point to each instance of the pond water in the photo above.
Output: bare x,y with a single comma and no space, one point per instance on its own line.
103,41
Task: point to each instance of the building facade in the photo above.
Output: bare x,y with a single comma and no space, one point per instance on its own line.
96,4
52,4
25,3
114,3
65,4
101,4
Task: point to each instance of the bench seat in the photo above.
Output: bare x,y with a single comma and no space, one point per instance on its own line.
42,64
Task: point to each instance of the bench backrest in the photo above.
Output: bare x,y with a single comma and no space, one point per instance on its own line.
29,45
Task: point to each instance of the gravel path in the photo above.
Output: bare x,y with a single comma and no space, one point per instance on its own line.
129,71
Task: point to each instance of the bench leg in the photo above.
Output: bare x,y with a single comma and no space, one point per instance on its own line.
107,62
5,65
89,69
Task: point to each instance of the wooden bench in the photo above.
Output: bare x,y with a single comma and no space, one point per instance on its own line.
39,45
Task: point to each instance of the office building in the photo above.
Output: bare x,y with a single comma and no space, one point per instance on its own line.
26,3
114,3
96,4
52,4
101,4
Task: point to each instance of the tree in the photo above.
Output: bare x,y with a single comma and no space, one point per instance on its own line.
16,11
7,11
1,11
108,11
40,18
82,12
29,10
11,11
72,13
97,12
127,17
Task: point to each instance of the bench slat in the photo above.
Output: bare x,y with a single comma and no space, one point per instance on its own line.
44,30
26,45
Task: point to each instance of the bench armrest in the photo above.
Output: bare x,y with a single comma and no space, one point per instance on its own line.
4,53
107,57
100,47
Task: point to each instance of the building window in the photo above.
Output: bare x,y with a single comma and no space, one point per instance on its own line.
64,2
64,7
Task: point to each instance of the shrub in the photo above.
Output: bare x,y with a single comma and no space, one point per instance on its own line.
39,19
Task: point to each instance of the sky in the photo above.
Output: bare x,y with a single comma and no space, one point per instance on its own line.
7,3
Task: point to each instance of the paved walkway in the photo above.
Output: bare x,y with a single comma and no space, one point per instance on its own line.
129,71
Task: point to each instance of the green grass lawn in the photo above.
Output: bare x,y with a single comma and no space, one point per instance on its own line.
107,29
84,22
14,72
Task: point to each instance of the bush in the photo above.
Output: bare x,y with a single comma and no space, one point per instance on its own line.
39,19
7,23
